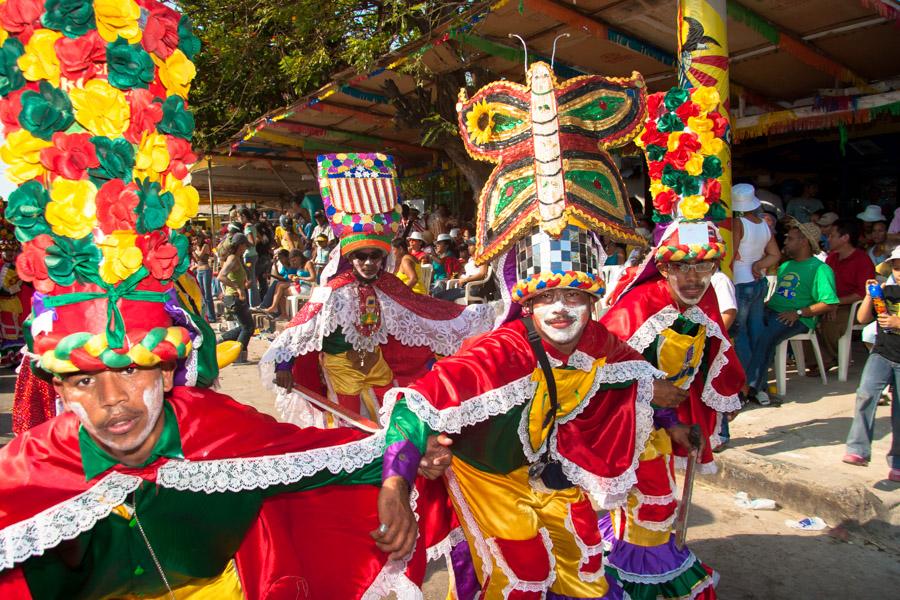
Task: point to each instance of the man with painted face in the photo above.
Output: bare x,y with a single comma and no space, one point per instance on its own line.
363,330
668,312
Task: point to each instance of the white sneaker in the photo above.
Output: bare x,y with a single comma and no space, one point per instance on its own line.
763,399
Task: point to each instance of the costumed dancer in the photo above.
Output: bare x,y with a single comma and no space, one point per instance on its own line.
363,330
149,484
667,311
549,412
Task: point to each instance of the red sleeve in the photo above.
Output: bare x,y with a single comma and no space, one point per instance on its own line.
863,270
13,585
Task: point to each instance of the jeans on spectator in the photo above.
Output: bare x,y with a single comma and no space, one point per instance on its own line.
771,333
250,264
204,278
751,303
877,373
244,331
724,431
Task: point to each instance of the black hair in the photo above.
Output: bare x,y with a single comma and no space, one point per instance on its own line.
400,243
848,228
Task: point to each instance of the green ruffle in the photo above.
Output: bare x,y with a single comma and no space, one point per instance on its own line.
69,260
153,207
73,18
177,119
11,78
26,210
46,111
116,158
187,41
129,65
682,586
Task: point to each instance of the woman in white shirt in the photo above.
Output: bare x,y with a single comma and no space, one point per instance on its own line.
756,252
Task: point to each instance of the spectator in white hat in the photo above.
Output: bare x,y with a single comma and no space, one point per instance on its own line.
756,252
417,246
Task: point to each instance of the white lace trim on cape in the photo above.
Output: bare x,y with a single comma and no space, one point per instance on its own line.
652,327
64,521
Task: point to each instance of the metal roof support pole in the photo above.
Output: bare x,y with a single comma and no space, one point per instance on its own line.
212,207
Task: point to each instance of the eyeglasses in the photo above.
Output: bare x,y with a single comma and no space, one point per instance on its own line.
367,256
569,297
705,266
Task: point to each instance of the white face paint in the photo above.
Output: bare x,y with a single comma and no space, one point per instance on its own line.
562,323
153,400
689,292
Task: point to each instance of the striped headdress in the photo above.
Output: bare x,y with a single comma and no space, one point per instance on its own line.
361,199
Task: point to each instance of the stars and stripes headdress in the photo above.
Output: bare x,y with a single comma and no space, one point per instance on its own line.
361,199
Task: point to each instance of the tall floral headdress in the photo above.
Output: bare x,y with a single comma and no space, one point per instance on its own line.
98,139
682,135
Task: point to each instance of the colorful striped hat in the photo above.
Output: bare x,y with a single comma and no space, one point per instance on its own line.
361,199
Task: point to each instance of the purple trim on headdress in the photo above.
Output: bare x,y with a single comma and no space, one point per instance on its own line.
658,232
467,586
509,278
180,377
644,560
173,308
37,303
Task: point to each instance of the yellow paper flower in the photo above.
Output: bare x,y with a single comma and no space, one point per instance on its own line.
657,188
152,157
700,124
187,202
40,61
480,122
706,97
710,145
694,165
22,155
693,207
71,211
672,142
100,108
121,258
176,73
118,18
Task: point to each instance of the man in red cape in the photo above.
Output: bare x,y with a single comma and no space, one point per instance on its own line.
667,311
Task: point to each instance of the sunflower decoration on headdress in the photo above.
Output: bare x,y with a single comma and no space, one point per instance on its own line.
98,138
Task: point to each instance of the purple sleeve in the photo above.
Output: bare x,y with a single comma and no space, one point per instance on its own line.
663,418
401,458
284,366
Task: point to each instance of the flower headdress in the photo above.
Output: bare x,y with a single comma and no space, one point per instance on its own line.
98,138
682,136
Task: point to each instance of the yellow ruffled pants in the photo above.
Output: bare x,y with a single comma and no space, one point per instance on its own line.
526,542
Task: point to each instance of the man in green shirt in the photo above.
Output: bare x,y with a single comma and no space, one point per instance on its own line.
805,290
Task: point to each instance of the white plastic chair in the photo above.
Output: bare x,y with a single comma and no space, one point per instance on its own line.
773,282
845,340
293,303
427,274
797,345
471,298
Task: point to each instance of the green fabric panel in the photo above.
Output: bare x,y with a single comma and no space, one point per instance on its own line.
755,22
493,446
680,586
335,343
595,182
505,123
511,191
405,425
95,460
597,110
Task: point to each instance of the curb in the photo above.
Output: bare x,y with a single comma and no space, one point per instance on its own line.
851,505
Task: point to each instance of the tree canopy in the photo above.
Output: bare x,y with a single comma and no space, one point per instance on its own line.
259,55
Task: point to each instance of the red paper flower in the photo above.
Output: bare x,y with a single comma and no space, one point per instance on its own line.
157,88
145,114
21,17
689,141
160,35
160,257
665,202
678,158
713,191
71,155
115,206
720,123
686,110
10,107
180,156
652,135
81,57
30,265
655,105
655,169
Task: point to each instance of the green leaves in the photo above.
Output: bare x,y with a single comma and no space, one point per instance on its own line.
116,160
73,18
177,119
11,78
153,207
47,111
69,260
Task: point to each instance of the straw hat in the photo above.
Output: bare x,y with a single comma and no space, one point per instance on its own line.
810,231
743,198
